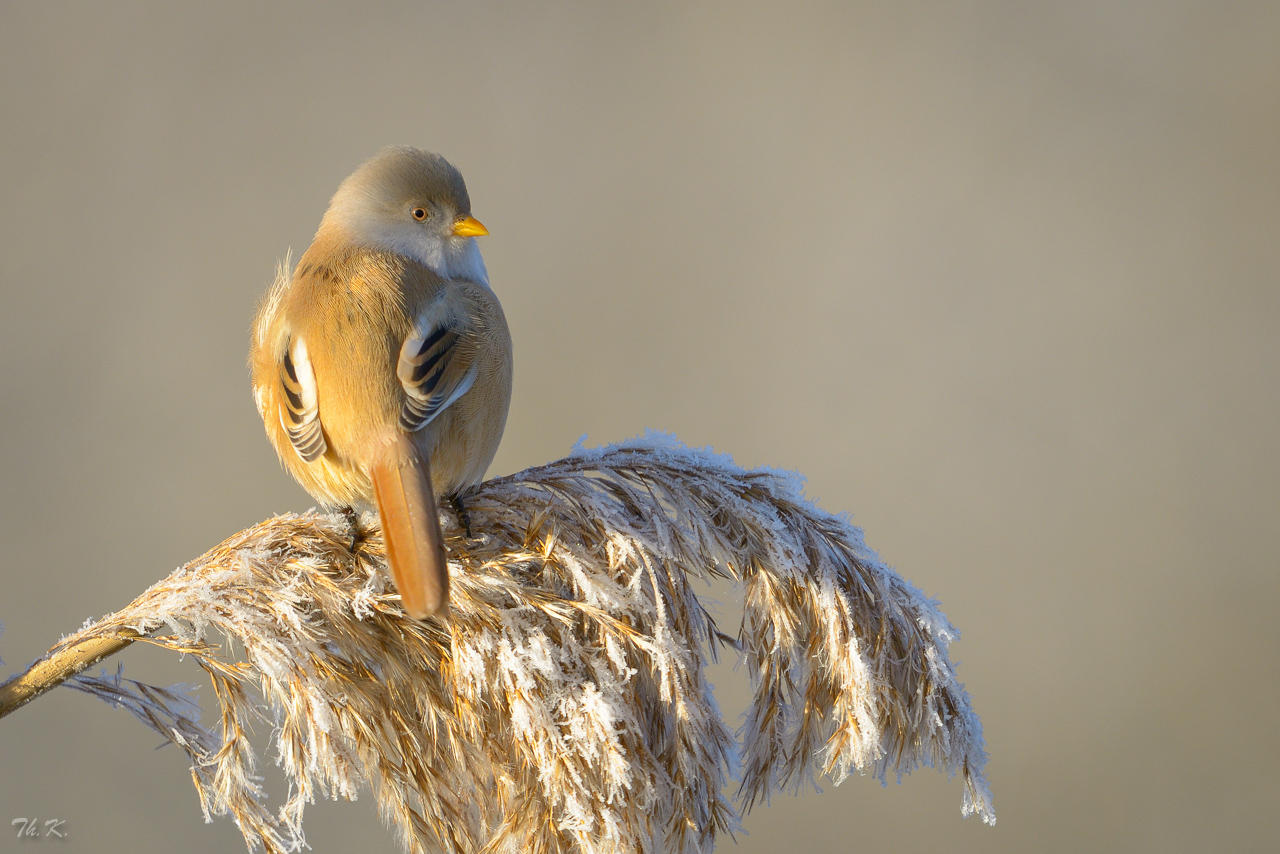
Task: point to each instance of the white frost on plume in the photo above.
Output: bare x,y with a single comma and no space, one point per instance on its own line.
564,697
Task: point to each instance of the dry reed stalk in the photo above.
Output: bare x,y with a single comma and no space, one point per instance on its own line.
562,705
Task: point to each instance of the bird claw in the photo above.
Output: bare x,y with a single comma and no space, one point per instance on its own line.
463,516
353,522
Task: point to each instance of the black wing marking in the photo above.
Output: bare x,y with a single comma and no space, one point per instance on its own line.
300,416
433,369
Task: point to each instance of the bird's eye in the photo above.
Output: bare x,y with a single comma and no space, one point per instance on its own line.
419,214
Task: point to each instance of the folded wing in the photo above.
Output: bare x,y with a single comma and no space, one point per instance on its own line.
434,368
300,416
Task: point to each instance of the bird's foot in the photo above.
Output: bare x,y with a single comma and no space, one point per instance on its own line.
463,516
353,522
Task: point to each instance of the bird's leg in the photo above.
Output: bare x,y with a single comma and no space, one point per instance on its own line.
353,522
463,516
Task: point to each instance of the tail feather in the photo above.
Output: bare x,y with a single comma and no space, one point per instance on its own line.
411,528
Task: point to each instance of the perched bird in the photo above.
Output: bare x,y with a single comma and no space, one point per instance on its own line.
382,364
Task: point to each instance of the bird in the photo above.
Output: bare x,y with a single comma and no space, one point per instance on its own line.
382,364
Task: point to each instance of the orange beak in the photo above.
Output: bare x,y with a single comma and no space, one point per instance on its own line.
469,226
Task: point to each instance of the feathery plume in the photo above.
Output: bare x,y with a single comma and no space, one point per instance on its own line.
562,705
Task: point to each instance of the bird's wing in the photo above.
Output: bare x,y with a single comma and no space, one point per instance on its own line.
300,416
435,368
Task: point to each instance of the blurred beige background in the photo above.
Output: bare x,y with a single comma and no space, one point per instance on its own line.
1003,280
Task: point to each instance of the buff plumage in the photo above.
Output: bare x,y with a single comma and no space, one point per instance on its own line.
382,363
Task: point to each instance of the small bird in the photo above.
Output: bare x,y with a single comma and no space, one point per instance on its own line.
382,365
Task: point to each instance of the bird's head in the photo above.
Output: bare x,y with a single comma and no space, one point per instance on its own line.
413,203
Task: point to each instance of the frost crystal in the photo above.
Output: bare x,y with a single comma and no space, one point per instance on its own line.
562,705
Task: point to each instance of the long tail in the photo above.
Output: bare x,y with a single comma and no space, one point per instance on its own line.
411,528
